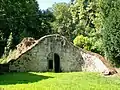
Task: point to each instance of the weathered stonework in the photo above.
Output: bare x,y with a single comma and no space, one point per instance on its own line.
69,57
36,59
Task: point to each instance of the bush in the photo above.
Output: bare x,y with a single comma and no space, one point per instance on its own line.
91,44
82,42
97,46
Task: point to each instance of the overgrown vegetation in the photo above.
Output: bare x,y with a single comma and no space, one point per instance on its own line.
82,42
58,81
89,24
111,29
22,19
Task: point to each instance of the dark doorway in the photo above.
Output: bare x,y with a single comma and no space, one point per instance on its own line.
50,64
56,63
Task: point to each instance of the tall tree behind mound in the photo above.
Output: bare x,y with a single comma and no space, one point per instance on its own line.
111,29
24,19
85,14
21,17
63,23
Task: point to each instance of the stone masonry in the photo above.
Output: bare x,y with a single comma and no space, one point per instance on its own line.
36,58
63,54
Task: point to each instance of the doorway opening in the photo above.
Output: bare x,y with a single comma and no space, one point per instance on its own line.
50,64
53,62
56,63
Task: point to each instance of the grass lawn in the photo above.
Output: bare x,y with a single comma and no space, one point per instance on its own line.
58,81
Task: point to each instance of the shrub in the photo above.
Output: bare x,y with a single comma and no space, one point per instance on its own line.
82,42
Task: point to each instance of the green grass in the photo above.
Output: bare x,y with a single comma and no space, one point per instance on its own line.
58,81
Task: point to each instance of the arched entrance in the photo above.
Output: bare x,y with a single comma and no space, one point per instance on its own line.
53,62
56,63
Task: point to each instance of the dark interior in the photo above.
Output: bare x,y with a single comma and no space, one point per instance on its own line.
56,63
50,64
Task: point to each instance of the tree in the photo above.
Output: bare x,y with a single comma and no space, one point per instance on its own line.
22,18
46,18
111,29
85,14
8,47
63,23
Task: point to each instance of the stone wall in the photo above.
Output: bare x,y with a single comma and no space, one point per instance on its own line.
71,57
36,59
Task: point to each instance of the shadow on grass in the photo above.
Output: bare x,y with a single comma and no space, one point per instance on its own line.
21,78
